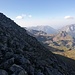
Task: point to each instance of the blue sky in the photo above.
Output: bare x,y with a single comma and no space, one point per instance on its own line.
55,13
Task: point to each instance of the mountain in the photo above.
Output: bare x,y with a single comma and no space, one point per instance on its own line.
36,32
63,35
47,29
70,29
22,54
56,40
64,40
41,35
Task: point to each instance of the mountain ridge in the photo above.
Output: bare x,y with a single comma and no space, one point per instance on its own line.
46,28
70,29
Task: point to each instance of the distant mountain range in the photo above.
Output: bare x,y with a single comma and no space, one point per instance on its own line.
66,33
60,39
46,28
36,32
64,40
70,29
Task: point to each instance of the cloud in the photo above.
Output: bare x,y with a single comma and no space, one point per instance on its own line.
21,16
69,17
29,16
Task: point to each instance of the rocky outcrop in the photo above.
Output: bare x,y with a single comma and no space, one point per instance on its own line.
22,54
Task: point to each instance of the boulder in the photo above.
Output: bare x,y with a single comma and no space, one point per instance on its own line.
7,63
20,59
17,70
3,72
40,73
23,72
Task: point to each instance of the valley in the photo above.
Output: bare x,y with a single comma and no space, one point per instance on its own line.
63,40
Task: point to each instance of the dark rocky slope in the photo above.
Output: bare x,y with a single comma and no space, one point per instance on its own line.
22,54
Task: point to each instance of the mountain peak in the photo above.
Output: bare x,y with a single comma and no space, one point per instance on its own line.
63,34
7,22
2,16
1,13
70,29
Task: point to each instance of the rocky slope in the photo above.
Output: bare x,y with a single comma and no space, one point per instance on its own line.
22,54
64,39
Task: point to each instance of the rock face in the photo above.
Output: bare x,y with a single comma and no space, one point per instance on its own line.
22,54
3,72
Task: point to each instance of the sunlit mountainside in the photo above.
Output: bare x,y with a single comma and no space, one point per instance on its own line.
63,40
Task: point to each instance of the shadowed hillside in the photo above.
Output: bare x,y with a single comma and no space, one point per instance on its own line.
68,61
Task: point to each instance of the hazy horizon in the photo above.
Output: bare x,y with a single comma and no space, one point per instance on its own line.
27,13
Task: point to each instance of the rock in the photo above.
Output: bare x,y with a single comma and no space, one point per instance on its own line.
39,73
20,59
3,72
7,63
48,71
13,74
30,69
18,70
8,55
23,72
41,62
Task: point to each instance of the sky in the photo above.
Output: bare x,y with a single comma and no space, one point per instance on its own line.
27,13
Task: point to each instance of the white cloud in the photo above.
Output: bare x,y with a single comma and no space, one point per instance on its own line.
21,16
69,17
29,16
